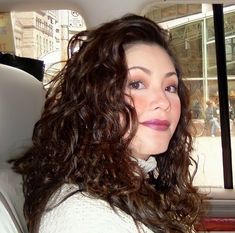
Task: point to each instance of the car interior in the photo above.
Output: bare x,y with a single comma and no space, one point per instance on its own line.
21,100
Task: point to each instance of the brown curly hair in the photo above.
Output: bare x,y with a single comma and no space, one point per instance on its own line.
79,138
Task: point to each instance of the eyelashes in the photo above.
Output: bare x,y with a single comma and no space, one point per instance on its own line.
139,85
172,88
136,84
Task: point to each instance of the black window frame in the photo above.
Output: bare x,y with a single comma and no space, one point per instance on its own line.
218,17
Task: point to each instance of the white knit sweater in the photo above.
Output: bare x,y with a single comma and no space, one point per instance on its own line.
82,213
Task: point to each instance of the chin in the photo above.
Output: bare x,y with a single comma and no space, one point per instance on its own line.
149,147
157,149
144,154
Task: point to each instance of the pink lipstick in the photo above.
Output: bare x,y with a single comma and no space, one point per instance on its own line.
158,125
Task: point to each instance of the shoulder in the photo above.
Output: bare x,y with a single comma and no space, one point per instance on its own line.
84,214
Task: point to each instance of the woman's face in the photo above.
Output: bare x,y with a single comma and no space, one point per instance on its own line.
152,83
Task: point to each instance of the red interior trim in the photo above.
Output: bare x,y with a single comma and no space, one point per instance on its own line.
217,224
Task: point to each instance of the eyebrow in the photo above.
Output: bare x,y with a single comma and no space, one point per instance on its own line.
147,71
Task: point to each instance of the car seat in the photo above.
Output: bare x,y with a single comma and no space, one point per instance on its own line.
21,101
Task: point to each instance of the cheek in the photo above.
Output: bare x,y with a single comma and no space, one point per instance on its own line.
140,104
176,110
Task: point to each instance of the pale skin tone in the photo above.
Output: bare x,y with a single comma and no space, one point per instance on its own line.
152,84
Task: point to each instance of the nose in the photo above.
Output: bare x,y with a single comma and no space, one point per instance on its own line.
160,99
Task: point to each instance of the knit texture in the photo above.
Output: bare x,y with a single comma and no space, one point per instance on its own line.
81,213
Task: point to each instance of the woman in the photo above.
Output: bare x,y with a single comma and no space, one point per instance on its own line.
111,152
212,117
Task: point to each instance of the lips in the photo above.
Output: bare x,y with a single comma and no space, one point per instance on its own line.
158,125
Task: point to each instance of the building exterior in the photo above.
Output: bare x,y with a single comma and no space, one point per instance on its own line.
40,33
44,35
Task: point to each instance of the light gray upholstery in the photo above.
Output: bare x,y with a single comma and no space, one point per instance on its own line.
21,101
11,201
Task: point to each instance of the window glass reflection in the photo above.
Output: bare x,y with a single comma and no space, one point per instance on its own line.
187,40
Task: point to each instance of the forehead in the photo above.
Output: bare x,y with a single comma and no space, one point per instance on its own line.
148,55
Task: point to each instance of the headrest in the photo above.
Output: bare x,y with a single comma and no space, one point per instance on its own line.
11,201
21,101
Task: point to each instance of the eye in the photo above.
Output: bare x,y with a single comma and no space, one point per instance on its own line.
138,85
172,89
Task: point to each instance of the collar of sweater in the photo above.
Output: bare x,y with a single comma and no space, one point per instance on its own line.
147,165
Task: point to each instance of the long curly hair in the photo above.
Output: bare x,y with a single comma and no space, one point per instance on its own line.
79,138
